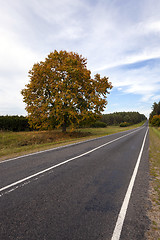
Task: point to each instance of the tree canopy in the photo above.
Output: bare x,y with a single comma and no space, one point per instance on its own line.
61,92
155,110
154,117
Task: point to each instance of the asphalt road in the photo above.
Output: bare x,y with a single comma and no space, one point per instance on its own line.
76,192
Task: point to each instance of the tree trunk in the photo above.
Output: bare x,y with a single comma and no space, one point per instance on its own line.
64,127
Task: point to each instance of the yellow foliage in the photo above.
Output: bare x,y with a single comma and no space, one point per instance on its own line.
61,91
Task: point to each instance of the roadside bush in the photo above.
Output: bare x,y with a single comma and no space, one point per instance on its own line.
156,121
99,124
124,124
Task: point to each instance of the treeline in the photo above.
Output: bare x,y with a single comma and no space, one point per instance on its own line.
20,123
154,117
14,123
119,118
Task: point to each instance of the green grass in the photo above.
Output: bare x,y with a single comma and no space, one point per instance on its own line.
157,131
98,132
16,143
13,144
155,151
154,157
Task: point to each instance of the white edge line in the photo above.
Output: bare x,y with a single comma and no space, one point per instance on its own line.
62,163
122,213
64,146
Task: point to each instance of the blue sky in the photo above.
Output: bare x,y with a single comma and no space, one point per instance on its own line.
120,39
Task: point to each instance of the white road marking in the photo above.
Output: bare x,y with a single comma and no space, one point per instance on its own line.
119,224
59,164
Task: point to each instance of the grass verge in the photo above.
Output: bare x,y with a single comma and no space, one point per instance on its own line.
13,144
154,190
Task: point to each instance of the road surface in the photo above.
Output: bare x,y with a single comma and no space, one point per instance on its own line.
78,191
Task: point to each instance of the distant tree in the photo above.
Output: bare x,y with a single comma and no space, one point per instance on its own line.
156,121
155,110
124,124
61,92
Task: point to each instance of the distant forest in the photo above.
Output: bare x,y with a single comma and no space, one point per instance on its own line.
14,123
20,123
120,117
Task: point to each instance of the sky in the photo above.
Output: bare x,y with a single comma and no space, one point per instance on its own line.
119,38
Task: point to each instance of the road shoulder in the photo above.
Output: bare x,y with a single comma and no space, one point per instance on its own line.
154,186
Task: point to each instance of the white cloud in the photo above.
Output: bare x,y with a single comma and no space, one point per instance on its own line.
154,26
108,33
15,62
156,98
143,81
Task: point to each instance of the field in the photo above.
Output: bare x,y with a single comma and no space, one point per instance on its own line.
14,144
154,191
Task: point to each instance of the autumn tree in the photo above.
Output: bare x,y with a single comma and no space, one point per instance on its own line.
62,93
155,110
155,121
